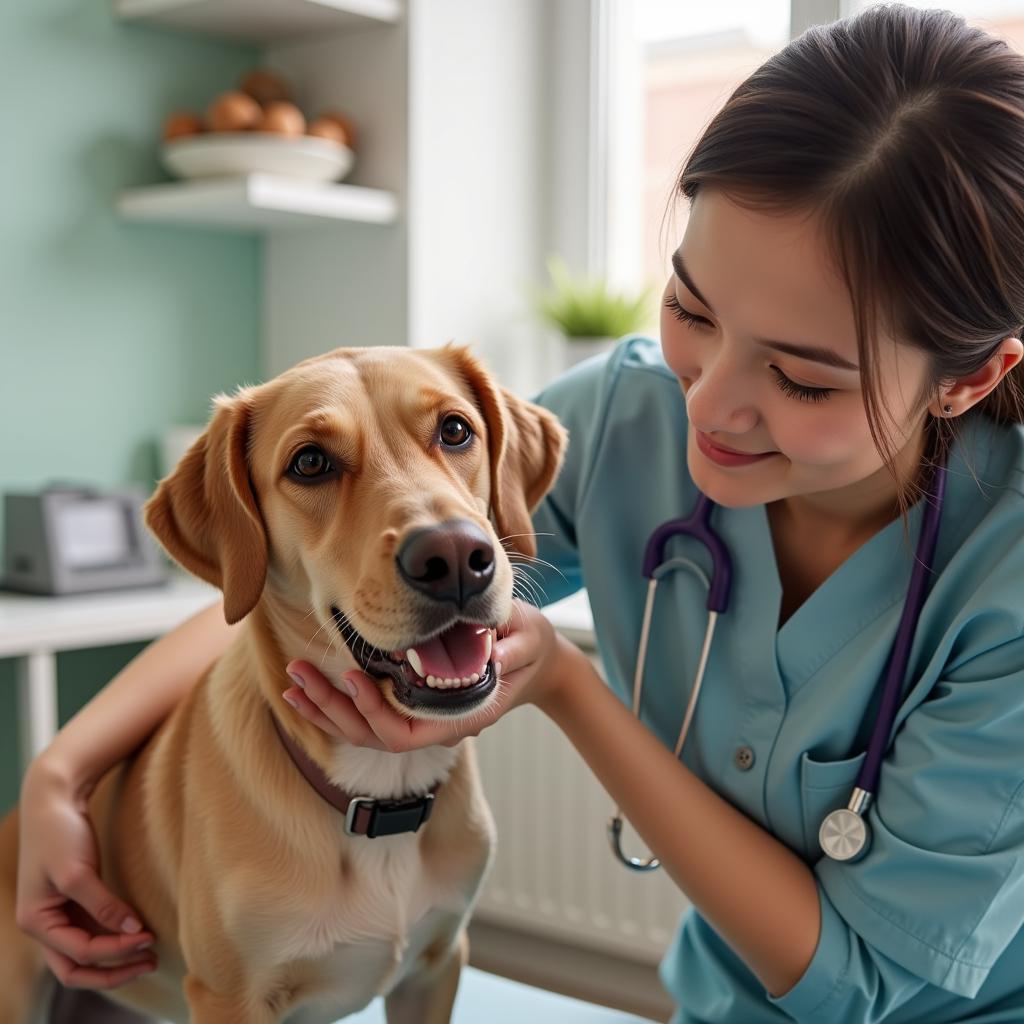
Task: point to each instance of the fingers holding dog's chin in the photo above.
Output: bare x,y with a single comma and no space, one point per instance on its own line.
323,704
309,711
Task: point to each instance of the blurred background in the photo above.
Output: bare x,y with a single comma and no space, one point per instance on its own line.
481,154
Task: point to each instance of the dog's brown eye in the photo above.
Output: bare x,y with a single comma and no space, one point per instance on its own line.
455,432
310,463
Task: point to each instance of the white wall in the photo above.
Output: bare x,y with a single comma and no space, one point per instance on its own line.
455,106
478,95
344,284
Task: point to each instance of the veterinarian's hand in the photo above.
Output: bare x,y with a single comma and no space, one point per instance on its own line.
522,655
89,937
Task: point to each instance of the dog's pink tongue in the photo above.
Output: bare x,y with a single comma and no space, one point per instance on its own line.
456,653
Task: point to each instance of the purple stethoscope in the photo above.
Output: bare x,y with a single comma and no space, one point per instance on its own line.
844,834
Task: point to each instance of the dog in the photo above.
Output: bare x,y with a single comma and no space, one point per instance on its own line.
354,512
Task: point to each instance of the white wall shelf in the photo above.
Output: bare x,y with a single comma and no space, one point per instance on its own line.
259,20
257,202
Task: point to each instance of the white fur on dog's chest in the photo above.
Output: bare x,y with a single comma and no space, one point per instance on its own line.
389,893
365,939
364,945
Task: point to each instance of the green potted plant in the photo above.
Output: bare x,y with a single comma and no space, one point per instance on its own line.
588,313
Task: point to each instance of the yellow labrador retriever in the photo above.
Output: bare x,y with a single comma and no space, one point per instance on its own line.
353,511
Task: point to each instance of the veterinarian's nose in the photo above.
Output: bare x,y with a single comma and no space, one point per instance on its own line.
450,562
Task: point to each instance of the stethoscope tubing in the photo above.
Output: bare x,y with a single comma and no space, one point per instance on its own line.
844,834
899,658
615,822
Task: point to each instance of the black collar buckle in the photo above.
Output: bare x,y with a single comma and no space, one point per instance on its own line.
369,817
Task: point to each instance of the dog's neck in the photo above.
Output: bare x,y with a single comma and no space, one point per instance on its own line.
273,635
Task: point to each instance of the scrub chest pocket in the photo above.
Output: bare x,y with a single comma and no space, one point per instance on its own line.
824,787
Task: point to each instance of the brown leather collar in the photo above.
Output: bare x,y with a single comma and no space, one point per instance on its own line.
364,815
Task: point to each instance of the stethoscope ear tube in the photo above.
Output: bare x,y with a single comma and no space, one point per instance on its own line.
615,822
615,838
698,526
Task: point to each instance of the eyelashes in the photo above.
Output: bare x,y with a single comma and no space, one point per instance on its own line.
801,392
684,315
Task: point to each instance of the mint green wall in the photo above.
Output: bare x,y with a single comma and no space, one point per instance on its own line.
109,331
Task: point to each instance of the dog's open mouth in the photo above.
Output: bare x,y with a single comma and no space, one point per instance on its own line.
451,672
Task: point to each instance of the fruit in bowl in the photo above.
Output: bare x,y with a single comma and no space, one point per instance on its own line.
257,128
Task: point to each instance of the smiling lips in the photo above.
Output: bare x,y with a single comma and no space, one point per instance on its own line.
727,456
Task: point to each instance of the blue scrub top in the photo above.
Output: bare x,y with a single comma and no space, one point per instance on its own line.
927,927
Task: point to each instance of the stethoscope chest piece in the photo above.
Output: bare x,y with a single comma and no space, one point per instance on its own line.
843,835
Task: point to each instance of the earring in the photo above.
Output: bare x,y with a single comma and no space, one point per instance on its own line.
947,410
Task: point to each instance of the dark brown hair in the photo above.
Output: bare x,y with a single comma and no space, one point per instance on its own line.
904,128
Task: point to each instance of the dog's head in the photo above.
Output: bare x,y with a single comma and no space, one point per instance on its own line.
374,490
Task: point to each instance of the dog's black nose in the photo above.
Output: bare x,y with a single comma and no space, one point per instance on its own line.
450,562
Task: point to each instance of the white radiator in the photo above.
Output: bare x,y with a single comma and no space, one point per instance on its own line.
554,872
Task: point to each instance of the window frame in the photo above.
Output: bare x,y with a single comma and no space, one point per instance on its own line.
594,234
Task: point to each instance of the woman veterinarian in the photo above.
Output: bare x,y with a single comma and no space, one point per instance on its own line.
838,372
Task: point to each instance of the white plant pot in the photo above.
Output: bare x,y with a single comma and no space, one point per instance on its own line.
575,350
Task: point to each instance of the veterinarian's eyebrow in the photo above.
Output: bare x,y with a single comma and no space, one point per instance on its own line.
814,353
684,275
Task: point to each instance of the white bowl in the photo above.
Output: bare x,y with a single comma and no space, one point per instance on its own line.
231,154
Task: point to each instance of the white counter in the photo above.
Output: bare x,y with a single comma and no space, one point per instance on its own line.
34,629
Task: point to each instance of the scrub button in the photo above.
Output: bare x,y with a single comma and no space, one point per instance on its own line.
743,758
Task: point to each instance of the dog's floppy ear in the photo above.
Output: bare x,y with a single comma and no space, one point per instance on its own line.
526,445
205,512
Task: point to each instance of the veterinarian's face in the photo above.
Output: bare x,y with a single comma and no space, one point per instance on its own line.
760,330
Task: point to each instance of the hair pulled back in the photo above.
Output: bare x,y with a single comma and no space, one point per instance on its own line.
904,130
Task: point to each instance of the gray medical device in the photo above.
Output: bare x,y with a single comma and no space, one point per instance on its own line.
72,540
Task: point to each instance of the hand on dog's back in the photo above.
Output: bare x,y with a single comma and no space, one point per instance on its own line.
89,937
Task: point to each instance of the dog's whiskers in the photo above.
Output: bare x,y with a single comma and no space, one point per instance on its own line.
534,561
524,571
525,584
323,625
512,536
524,594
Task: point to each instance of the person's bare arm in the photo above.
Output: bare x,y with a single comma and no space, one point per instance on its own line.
752,889
58,864
135,701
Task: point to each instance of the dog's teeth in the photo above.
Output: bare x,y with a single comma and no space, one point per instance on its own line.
487,649
414,659
448,683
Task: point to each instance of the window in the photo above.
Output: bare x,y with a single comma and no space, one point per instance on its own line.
671,65
692,57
